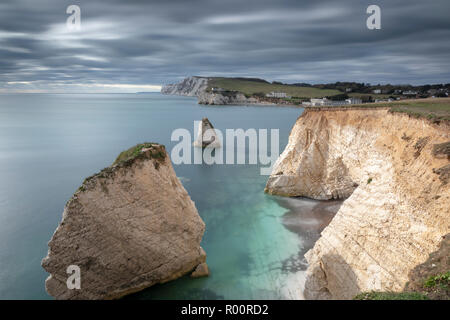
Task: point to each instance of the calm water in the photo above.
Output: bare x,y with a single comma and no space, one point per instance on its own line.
50,143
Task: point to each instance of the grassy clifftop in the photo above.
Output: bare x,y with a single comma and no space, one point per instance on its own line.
255,86
156,151
435,109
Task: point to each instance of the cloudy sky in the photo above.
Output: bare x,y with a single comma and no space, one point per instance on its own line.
137,45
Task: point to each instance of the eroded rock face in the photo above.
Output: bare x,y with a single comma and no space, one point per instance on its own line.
127,228
397,207
191,86
197,87
202,270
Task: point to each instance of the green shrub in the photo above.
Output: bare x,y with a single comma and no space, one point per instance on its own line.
441,280
133,152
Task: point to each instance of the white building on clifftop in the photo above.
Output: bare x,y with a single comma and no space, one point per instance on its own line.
277,95
327,102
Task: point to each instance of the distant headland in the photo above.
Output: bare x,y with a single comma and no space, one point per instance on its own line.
223,91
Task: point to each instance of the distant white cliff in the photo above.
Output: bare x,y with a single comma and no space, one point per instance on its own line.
197,87
191,86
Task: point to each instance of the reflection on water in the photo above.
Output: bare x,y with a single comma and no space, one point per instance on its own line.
307,218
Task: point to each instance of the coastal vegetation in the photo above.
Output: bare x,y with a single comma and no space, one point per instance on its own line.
262,87
442,280
430,108
427,101
374,295
133,152
304,91
435,109
126,158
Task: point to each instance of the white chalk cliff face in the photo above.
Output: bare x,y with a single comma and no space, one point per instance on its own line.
127,228
190,86
398,198
196,87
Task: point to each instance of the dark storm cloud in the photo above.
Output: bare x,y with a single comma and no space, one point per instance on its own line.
155,42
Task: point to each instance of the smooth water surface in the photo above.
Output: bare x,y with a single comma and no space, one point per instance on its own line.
49,143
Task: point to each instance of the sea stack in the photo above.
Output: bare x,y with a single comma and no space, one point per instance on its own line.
127,228
207,136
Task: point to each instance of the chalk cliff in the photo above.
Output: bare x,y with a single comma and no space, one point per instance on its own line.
198,87
190,86
127,228
393,170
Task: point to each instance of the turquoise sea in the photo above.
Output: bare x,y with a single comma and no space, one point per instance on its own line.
50,142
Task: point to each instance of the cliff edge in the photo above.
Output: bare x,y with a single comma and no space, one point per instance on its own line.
199,87
126,228
394,172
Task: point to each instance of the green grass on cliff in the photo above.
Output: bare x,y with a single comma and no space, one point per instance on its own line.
441,280
133,152
433,109
390,296
430,108
125,158
250,87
